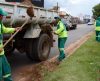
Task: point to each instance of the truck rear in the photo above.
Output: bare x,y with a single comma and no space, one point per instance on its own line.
69,21
74,21
35,39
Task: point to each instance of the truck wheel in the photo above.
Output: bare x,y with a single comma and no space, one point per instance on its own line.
39,48
74,26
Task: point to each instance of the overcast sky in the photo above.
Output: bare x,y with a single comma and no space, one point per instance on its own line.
73,7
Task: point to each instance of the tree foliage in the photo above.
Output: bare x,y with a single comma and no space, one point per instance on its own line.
96,10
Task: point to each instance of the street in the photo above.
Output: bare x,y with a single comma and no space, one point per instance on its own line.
18,60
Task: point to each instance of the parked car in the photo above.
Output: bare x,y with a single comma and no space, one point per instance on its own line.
90,23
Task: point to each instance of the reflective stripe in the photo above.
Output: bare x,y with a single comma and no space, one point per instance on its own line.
7,75
61,49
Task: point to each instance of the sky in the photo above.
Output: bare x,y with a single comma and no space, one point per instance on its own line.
73,7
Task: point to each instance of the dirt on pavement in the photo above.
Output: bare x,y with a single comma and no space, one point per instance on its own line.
35,72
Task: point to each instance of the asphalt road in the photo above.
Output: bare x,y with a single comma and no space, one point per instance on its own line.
18,60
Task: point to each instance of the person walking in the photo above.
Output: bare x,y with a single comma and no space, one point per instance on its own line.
5,71
97,29
62,37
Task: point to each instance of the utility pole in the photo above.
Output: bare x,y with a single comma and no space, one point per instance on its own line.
57,7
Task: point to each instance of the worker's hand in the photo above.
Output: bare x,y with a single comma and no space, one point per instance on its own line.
54,33
18,28
1,49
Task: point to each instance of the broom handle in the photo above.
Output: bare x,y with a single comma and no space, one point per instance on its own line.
15,33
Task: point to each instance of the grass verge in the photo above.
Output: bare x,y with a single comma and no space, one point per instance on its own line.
83,65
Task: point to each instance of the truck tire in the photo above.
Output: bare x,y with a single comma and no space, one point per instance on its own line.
39,48
74,26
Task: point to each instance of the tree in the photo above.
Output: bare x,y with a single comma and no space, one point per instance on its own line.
96,11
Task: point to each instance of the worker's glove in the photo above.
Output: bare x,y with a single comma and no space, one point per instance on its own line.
54,33
18,28
1,49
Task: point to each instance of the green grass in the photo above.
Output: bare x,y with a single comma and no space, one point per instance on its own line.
83,65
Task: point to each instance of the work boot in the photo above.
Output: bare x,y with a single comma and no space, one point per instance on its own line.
61,57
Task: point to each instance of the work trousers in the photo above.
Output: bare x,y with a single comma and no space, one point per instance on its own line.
5,71
61,44
98,36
